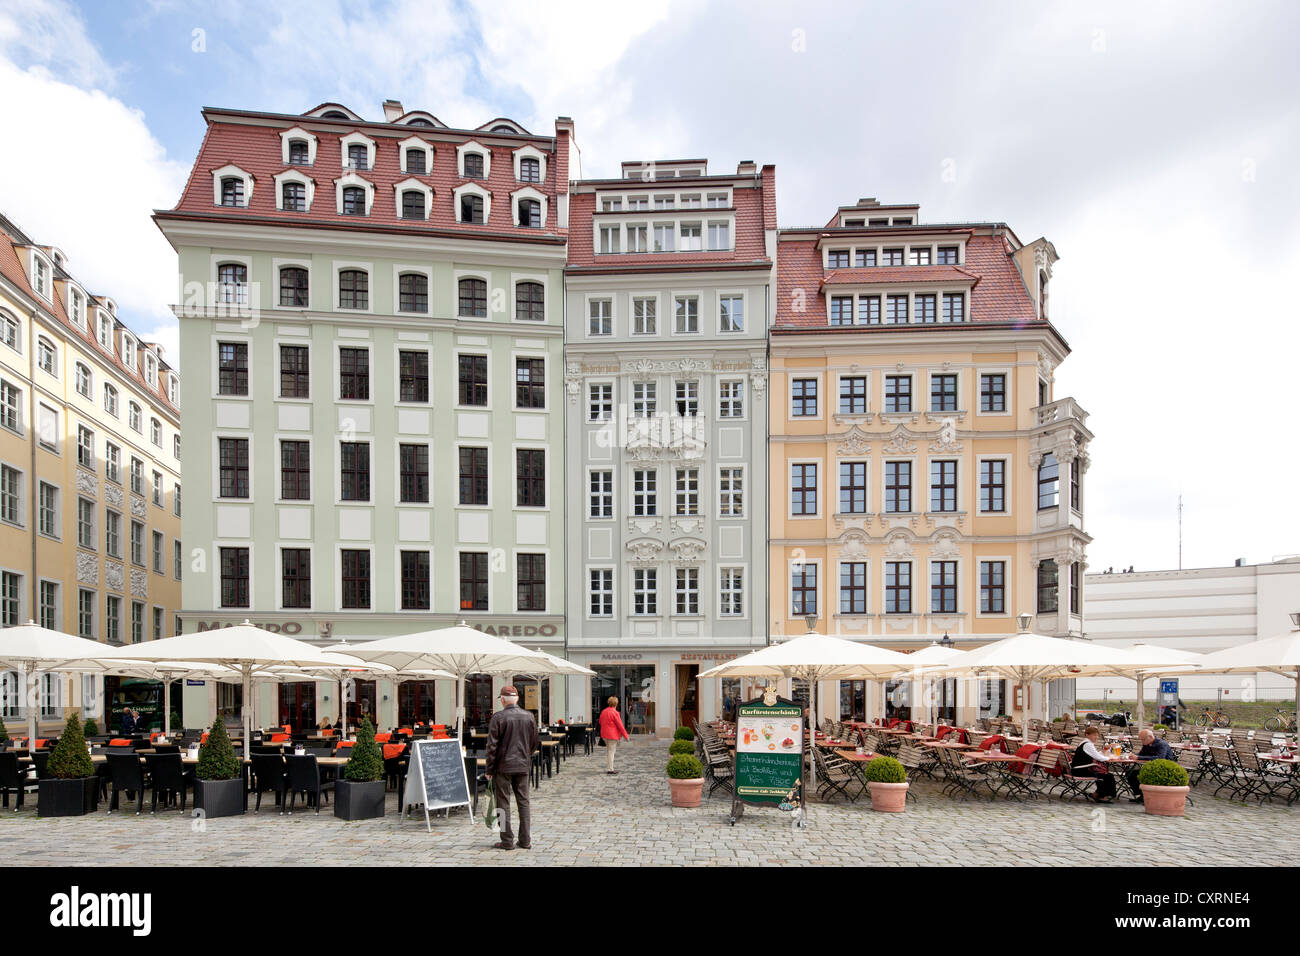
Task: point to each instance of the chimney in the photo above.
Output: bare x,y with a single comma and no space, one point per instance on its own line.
867,202
1240,562
747,167
392,110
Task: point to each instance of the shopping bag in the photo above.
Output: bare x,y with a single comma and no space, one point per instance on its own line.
490,808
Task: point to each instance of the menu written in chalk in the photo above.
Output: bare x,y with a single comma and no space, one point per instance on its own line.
440,781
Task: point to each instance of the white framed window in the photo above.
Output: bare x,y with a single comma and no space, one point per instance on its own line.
11,495
472,203
11,416
231,186
645,493
610,239
415,156
133,417
47,502
686,591
86,532
664,237
731,398
47,356
600,401
600,494
11,331
638,237
731,592
357,151
41,276
644,317
686,314
353,195
297,147
644,399
295,191
104,330
719,236
77,308
85,382
155,432
473,161
692,239
600,313
111,400
602,592
731,312
687,403
645,591
686,492
112,463
412,199
85,447
529,207
731,492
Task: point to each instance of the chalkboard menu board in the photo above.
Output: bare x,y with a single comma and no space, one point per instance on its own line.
769,755
436,777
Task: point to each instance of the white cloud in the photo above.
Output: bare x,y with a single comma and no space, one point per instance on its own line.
52,33
86,180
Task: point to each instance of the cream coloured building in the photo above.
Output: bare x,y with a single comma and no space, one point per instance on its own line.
90,493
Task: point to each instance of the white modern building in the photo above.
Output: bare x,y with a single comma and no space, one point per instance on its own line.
1198,609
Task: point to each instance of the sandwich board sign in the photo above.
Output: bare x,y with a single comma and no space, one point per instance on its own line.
436,778
769,755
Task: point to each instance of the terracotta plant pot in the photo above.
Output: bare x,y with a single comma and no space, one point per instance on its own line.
888,797
1164,801
686,793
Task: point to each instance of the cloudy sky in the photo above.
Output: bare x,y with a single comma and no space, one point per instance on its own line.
1156,144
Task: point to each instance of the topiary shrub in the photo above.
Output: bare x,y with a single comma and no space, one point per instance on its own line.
366,762
217,760
91,729
683,733
1162,773
681,747
684,767
70,759
885,770
176,722
1160,727
4,734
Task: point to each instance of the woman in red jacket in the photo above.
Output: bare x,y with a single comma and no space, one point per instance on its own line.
611,731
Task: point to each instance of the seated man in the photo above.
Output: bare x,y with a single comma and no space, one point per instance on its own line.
1153,748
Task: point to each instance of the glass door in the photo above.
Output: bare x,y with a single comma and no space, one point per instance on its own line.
298,706
415,702
853,700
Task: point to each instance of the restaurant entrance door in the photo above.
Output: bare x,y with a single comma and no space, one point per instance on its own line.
361,702
635,689
688,695
298,706
415,702
478,700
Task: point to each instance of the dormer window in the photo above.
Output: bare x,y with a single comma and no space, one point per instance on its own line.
354,201
413,203
174,396
471,209
298,147
40,277
415,164
530,170
232,191
918,257
420,122
334,115
530,213
473,165
76,309
298,152
947,255
358,156
293,197
151,370
105,331
128,351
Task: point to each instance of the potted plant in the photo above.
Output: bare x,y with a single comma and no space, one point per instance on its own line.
681,747
1164,788
888,782
219,790
71,788
360,794
91,729
683,733
685,780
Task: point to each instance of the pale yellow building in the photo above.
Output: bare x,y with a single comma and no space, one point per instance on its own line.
926,481
90,493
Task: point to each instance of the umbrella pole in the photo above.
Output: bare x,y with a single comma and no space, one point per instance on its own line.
32,695
812,743
1142,697
167,706
247,681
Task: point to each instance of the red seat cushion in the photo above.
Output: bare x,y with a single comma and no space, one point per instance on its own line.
344,744
393,750
989,742
120,742
383,738
327,733
279,738
1027,751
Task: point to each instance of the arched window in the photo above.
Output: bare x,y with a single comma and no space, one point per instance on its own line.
530,213
11,332
232,284
354,289
334,114
473,165
419,122
155,432
530,302
297,152
354,200
413,292
293,287
415,164
358,156
133,416
232,191
110,400
473,298
503,128
530,170
293,197
413,202
46,356
84,383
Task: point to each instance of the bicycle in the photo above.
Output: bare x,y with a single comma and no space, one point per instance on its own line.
1283,721
1215,718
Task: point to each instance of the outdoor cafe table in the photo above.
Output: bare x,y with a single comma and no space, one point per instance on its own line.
1000,763
1292,764
948,746
854,757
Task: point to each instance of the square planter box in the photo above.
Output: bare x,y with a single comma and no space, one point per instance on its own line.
67,798
219,798
358,801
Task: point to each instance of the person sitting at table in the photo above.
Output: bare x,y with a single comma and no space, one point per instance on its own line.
1088,753
325,724
1153,748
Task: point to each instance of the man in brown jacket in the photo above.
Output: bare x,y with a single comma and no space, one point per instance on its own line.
512,739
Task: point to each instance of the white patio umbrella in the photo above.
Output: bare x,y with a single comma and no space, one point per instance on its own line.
555,667
1026,657
244,648
165,672
341,666
36,650
459,650
1279,654
813,658
1152,660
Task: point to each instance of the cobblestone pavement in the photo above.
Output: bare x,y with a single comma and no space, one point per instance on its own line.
583,816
